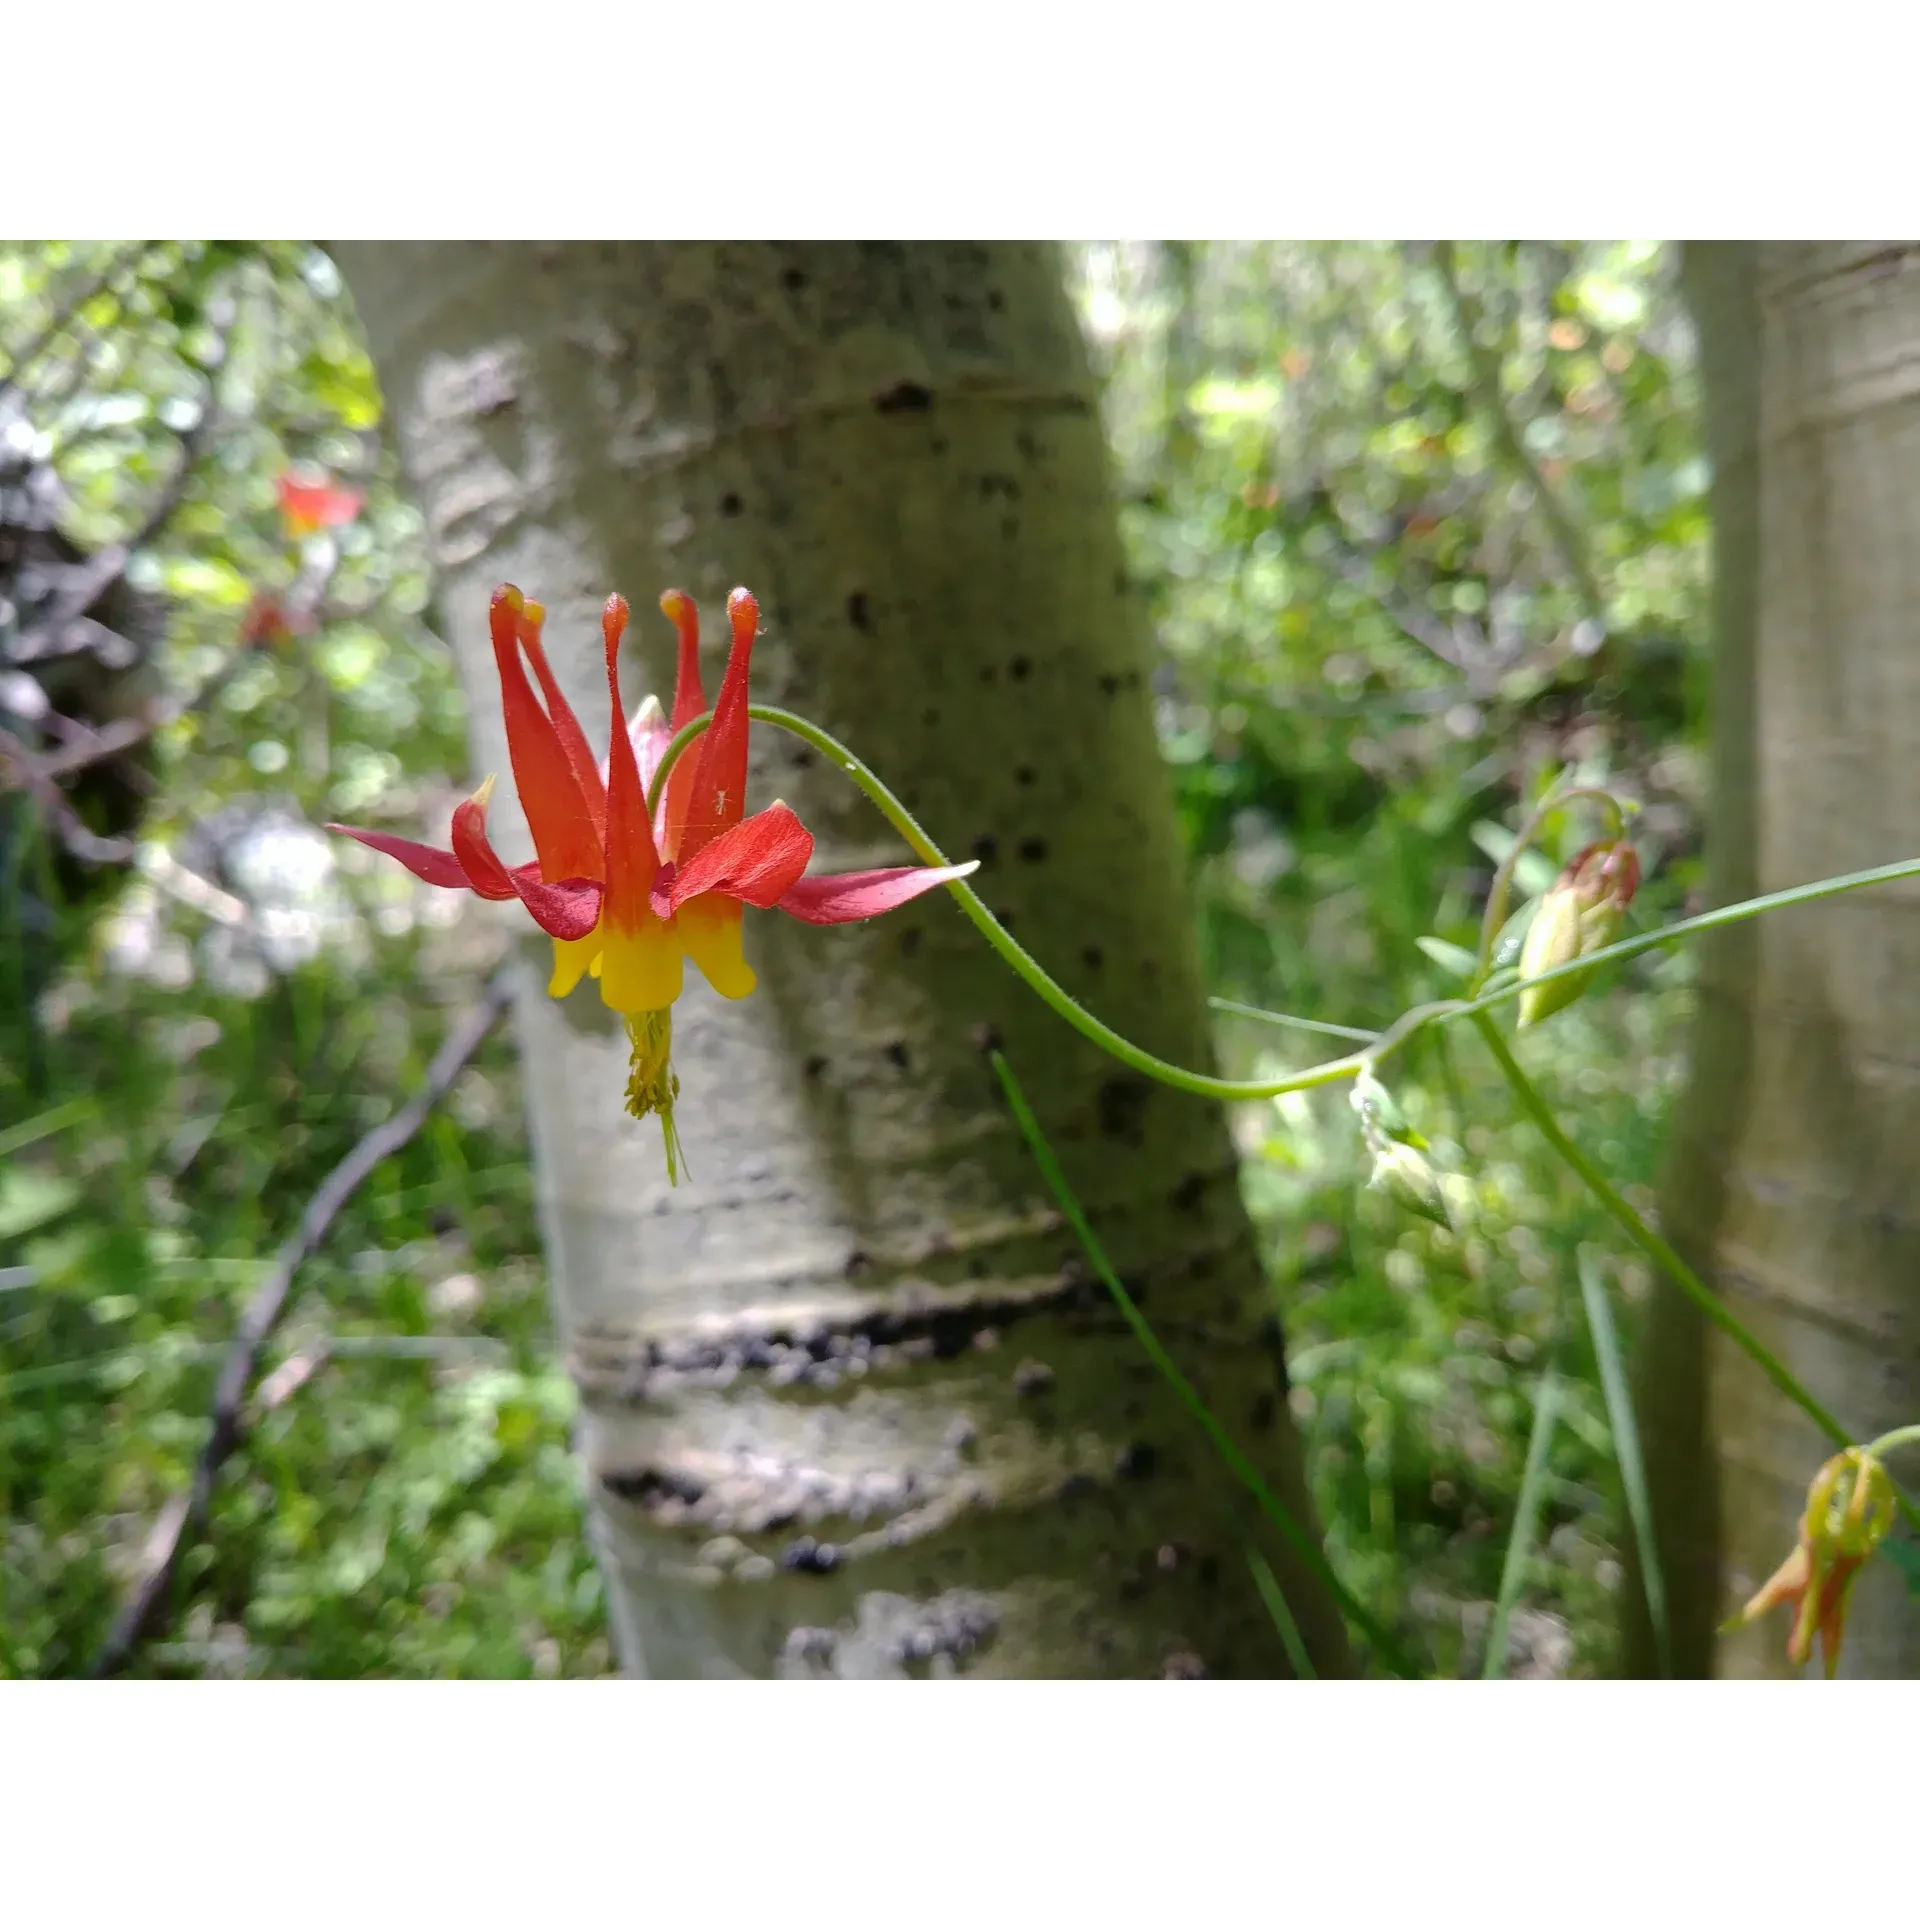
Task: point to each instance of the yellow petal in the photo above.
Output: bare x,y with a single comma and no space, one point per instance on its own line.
571,959
640,971
709,929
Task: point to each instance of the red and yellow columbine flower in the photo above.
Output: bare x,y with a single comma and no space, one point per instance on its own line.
1850,1509
627,898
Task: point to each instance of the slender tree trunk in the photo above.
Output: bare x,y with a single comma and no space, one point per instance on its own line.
1797,1157
849,1403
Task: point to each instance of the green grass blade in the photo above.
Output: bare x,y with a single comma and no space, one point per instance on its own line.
1284,1622
1295,1020
1526,1516
1626,1449
54,1120
1248,1474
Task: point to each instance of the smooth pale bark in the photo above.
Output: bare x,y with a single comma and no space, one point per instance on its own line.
1795,1181
850,1406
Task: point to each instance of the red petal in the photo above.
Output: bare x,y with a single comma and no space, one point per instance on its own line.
430,864
689,703
569,911
562,823
757,861
717,792
826,899
566,724
486,872
689,700
632,861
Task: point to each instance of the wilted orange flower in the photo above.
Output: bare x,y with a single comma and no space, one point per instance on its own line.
1849,1513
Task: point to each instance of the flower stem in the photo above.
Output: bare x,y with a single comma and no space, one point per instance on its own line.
1442,1013
1658,1250
1899,1437
1207,1085
1477,1008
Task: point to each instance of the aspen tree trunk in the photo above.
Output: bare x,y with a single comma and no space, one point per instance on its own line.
850,1404
1795,1179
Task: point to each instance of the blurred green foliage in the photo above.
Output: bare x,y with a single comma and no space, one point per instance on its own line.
244,1009
1422,528
1418,528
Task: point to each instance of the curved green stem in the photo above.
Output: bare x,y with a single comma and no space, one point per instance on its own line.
678,745
1495,916
1658,1250
1899,1437
1208,1086
1477,1008
1430,1013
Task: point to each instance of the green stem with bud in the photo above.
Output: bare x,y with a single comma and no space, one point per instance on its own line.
1477,1008
1208,1086
1438,1013
1657,1249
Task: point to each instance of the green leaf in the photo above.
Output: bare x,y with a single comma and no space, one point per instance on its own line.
1443,953
1526,1519
1284,1623
1535,873
1905,1554
214,583
1513,936
1626,1449
54,1120
29,1199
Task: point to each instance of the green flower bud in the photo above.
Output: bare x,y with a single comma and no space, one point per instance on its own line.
1404,1174
1580,914
1380,1116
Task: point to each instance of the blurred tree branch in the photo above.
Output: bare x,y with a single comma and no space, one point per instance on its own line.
88,582
90,288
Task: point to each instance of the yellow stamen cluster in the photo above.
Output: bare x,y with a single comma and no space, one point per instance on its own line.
652,1084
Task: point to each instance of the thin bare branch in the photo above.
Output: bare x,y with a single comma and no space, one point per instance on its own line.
87,745
187,1511
26,770
86,583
